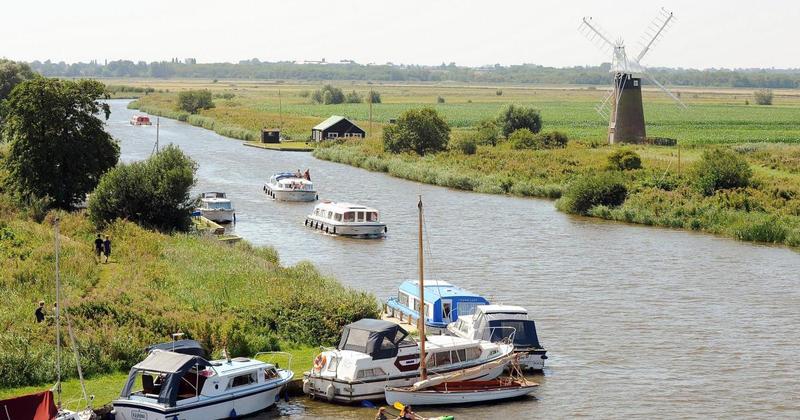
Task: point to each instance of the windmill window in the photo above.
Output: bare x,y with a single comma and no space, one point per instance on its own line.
636,83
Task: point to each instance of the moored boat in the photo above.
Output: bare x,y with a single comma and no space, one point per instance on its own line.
168,385
287,186
216,206
444,303
346,219
500,322
140,120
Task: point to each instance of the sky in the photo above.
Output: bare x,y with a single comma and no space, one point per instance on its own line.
729,34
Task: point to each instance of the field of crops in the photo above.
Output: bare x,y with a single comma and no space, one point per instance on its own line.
714,116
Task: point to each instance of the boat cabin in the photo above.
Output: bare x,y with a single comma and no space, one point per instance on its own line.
499,322
188,347
290,181
140,120
444,302
345,213
377,338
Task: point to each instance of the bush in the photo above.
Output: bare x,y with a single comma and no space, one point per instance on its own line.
153,193
486,133
439,100
513,117
417,130
624,160
466,145
374,97
581,195
524,138
353,98
498,92
721,169
192,101
553,140
328,95
763,96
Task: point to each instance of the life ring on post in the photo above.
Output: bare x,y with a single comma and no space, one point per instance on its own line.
319,362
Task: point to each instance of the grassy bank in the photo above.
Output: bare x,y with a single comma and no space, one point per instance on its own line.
226,296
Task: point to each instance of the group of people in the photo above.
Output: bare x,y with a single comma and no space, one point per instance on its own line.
39,313
102,247
305,175
405,414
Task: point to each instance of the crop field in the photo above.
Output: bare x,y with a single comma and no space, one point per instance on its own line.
714,116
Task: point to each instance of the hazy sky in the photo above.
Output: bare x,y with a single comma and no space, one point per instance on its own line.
732,33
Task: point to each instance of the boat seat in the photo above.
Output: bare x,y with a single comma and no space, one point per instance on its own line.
147,385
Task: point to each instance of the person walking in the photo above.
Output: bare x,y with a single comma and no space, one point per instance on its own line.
98,247
40,312
107,248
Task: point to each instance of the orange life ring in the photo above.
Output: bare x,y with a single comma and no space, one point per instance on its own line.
319,362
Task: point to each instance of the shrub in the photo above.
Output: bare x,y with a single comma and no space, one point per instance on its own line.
154,192
553,140
417,130
486,133
328,95
498,92
513,117
353,98
605,189
721,169
439,100
192,101
374,97
763,96
466,145
524,138
624,160
304,94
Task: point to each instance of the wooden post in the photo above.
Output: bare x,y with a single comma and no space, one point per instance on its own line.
679,160
369,97
423,370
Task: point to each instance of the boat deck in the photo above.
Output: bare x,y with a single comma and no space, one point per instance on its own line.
407,323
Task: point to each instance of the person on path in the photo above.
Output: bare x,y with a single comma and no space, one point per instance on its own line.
107,248
40,312
98,247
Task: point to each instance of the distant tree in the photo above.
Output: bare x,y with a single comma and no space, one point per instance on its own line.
328,95
316,97
417,130
153,193
12,74
374,97
57,145
487,132
192,101
498,92
353,98
514,117
624,159
720,169
763,96
439,100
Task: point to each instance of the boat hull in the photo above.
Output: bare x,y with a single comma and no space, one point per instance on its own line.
292,195
242,403
365,230
533,360
350,392
218,215
436,397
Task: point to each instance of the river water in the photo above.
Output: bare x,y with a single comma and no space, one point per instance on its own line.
638,321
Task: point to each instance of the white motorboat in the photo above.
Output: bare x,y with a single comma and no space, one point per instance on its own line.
287,186
216,207
346,219
140,120
373,354
504,322
168,385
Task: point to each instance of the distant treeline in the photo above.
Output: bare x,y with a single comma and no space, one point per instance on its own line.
524,73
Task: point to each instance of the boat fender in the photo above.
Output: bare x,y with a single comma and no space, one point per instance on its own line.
330,392
316,197
385,229
326,230
232,414
544,357
306,222
334,230
264,188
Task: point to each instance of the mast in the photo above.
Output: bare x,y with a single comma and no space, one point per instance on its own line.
158,126
370,114
423,371
58,317
280,111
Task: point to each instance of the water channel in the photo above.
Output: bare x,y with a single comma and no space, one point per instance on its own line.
639,322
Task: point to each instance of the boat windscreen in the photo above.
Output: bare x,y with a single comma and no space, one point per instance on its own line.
524,332
379,339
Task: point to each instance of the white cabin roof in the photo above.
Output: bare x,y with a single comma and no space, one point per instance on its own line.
333,119
237,364
493,309
342,207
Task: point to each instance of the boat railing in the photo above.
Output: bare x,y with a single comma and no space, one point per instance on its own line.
506,339
272,355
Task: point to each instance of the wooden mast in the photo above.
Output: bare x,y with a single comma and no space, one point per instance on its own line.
58,316
423,371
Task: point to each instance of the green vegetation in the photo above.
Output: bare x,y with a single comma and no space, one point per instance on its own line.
763,96
523,138
417,130
233,296
624,159
152,193
58,148
514,118
193,101
12,74
604,189
720,169
373,97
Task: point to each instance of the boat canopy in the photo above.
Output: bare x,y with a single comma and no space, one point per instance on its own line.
281,175
188,347
380,339
497,327
172,365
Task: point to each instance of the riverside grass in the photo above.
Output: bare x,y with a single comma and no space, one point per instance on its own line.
233,296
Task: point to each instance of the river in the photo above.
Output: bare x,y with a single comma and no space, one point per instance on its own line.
639,322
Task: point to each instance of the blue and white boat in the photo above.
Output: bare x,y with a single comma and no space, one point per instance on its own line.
444,303
288,186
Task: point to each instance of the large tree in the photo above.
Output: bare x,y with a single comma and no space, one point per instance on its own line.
58,147
12,74
514,117
417,130
153,192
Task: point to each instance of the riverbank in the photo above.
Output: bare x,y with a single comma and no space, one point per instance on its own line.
226,296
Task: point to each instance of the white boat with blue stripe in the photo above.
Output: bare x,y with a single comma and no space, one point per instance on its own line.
169,385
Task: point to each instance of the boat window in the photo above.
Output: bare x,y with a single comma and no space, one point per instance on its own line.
447,307
415,306
524,331
329,215
360,217
467,308
473,353
243,380
357,340
270,373
369,373
349,216
338,217
459,356
403,299
441,358
334,363
372,216
428,310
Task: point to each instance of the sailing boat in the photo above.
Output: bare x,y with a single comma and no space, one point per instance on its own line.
40,405
451,388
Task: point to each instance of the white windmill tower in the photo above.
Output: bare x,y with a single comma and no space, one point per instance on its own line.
623,105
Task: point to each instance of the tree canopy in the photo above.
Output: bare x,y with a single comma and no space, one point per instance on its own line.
58,148
153,193
417,130
514,117
192,101
12,74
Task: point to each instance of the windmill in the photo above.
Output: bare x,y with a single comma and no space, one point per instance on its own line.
623,104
